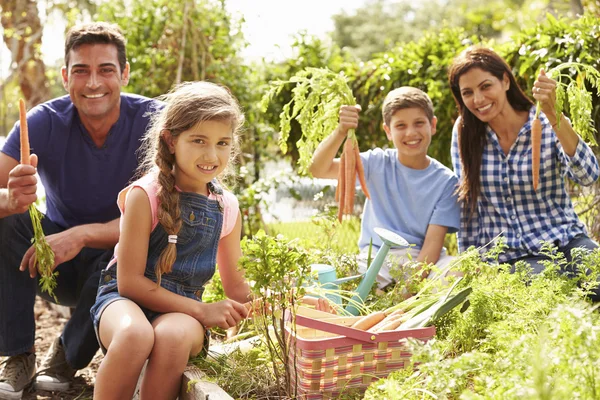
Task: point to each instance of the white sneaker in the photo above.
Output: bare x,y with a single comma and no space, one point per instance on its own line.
55,373
17,373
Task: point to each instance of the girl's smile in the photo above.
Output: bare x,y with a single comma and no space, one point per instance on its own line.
201,154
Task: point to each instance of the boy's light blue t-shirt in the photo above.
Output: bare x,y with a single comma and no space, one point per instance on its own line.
405,200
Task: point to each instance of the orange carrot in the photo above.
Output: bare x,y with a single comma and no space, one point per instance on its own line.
536,142
360,170
383,322
350,172
341,187
391,325
368,321
24,133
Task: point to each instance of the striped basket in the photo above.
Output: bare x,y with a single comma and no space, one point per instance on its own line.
328,358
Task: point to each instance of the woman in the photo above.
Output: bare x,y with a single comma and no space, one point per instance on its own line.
491,154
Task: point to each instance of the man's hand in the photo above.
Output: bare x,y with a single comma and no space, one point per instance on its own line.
348,118
22,187
66,245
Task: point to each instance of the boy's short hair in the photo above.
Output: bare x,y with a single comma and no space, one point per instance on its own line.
96,33
406,97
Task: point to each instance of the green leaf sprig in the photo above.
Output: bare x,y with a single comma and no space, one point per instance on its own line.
43,254
316,100
578,97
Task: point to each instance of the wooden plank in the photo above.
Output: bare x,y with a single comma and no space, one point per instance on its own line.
194,387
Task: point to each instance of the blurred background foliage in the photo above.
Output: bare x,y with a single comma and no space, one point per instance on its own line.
380,46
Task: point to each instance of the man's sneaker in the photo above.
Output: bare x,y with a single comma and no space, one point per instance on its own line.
17,373
54,373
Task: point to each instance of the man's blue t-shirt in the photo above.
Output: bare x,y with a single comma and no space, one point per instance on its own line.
405,200
82,180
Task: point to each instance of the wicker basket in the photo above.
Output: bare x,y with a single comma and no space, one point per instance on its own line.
327,357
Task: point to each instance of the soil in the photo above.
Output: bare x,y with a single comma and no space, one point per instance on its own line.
49,325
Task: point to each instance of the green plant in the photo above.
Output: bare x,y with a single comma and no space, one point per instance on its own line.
574,94
522,336
317,96
278,269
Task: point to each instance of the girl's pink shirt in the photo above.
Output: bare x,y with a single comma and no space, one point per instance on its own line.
149,184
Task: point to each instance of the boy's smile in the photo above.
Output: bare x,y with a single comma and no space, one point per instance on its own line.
410,130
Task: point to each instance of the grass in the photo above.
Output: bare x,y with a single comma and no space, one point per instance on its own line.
343,238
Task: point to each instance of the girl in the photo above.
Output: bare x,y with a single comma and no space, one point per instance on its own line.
491,154
176,223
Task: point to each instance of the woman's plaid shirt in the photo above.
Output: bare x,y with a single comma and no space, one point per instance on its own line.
507,203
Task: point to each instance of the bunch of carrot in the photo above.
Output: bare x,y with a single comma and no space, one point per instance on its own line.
350,166
44,256
380,321
417,312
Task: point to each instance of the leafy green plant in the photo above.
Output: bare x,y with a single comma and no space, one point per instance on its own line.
43,253
574,94
317,97
522,336
278,269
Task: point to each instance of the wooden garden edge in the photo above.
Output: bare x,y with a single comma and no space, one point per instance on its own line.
195,387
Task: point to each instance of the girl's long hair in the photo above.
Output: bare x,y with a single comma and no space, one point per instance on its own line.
186,105
472,136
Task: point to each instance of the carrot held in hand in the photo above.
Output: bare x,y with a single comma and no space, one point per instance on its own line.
536,145
24,133
350,175
341,187
44,255
360,170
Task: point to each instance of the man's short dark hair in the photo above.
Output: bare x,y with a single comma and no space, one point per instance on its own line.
96,33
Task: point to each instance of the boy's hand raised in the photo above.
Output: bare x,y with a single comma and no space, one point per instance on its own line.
348,118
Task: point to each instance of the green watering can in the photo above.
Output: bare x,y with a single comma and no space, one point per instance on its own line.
328,279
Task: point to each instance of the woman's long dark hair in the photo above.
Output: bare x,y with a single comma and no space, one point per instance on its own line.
472,136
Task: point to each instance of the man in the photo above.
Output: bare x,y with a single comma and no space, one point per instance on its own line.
84,147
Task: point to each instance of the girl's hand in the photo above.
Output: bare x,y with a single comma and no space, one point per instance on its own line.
224,314
348,118
544,91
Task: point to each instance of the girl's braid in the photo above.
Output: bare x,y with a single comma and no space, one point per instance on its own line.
169,214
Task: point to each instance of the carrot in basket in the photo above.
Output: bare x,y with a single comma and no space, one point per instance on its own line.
350,175
390,318
391,325
360,170
24,133
368,321
536,142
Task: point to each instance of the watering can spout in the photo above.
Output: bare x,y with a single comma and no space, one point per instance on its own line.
388,239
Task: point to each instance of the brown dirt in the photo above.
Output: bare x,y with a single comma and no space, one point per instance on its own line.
49,324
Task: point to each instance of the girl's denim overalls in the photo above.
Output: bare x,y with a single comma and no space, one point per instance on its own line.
197,244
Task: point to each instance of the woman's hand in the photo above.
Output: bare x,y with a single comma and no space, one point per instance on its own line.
544,91
224,314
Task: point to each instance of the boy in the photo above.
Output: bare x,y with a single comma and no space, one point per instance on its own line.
411,194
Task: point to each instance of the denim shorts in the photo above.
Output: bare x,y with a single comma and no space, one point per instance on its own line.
108,294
